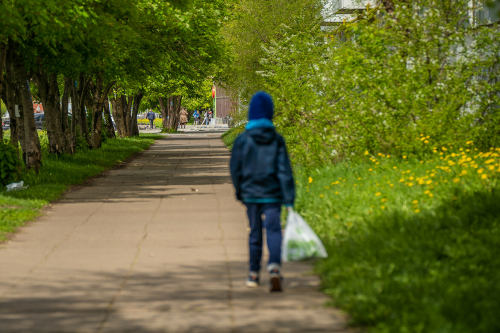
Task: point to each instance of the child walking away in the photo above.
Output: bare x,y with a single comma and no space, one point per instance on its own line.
263,179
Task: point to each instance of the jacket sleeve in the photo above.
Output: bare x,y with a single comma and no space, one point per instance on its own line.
235,166
285,174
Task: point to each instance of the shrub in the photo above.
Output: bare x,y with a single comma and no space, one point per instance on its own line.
404,84
10,164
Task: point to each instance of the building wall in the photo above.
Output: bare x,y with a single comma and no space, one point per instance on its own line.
224,103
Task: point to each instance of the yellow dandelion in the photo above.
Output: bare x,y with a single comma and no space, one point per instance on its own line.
427,192
394,167
310,180
491,167
480,171
417,210
370,169
404,156
410,184
484,176
431,195
414,202
428,182
366,152
382,207
426,141
327,187
321,196
336,192
336,216
456,180
383,200
391,185
378,194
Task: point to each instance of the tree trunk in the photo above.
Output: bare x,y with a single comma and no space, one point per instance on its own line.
47,94
79,117
65,128
33,151
116,104
173,108
99,94
134,127
83,93
96,112
20,120
3,53
121,112
109,122
164,114
10,98
74,108
127,109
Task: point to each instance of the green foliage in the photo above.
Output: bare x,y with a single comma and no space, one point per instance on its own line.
412,243
61,172
388,79
253,24
10,164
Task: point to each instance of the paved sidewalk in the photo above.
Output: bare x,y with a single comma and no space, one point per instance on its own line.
157,246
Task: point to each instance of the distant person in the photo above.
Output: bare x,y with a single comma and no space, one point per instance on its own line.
210,116
151,116
263,179
196,117
205,117
183,115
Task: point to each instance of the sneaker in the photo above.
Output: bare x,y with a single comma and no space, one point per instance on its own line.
275,280
252,280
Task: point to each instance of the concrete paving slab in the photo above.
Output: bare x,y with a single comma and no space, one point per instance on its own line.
157,246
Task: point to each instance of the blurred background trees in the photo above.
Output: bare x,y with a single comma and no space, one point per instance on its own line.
96,52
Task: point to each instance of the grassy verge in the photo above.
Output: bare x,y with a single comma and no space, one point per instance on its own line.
58,173
230,136
413,244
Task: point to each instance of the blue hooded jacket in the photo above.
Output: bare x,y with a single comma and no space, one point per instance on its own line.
260,167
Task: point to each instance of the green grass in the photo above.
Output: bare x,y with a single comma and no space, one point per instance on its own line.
58,173
230,136
413,245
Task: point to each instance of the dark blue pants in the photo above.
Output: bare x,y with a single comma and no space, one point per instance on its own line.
272,223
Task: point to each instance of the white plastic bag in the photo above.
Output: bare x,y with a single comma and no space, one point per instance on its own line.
300,242
15,186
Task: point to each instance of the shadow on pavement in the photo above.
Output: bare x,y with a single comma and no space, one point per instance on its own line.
184,298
